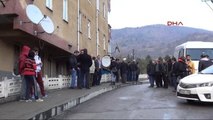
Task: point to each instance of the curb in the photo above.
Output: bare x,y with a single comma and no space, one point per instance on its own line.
57,110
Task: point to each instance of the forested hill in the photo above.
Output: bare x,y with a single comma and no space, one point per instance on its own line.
155,40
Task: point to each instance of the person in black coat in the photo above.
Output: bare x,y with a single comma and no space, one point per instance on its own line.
123,70
73,69
85,62
204,62
158,73
181,67
150,69
174,73
114,70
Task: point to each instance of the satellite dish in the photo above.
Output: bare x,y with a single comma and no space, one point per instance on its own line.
106,61
34,14
47,25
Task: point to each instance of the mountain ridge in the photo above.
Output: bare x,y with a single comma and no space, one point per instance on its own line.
155,40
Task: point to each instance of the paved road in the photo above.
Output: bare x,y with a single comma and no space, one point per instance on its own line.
139,102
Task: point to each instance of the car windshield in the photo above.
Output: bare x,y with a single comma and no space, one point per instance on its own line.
196,52
208,70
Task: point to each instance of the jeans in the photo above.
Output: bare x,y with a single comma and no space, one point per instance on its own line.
23,87
134,76
84,76
151,81
40,83
31,83
174,80
113,76
123,77
73,77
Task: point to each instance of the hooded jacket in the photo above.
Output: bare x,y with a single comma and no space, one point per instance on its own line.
22,57
29,65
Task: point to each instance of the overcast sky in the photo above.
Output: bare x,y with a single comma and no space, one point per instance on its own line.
138,13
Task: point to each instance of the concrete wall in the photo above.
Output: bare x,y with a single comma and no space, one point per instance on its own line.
6,56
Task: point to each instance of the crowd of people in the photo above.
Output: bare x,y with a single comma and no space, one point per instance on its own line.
87,71
30,65
163,73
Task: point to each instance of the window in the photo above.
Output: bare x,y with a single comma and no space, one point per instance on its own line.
181,53
49,4
195,53
89,29
65,10
97,4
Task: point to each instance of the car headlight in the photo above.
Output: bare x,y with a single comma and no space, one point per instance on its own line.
210,84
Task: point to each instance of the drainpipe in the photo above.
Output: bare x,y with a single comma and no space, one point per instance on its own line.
78,39
97,31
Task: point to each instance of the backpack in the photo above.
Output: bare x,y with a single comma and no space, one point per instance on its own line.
16,68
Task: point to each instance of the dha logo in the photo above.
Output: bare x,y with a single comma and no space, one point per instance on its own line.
174,23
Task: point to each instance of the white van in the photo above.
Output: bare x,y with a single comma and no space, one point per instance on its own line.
195,49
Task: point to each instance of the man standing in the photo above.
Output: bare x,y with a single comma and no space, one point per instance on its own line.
158,73
98,70
23,55
124,70
190,65
204,62
73,69
39,73
76,53
151,72
85,62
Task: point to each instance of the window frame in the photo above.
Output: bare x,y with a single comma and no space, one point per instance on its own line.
49,4
89,29
65,10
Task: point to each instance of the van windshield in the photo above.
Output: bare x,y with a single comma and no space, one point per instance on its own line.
196,52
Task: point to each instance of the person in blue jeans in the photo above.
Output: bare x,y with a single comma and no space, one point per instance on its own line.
73,78
73,70
85,62
151,72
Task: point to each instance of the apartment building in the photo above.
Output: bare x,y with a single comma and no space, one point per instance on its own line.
72,25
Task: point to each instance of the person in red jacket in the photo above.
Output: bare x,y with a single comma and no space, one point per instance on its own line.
29,76
22,57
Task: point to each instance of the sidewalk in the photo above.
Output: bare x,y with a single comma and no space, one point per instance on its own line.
56,102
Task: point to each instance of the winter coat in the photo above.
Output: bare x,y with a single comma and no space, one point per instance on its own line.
72,61
85,62
113,67
123,68
204,63
133,66
150,69
22,58
29,67
181,68
174,70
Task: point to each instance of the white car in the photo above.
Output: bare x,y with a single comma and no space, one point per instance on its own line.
197,87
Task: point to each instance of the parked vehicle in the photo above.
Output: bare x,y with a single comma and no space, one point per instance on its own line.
197,87
195,49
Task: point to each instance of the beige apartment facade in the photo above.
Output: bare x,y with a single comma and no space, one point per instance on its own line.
77,24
